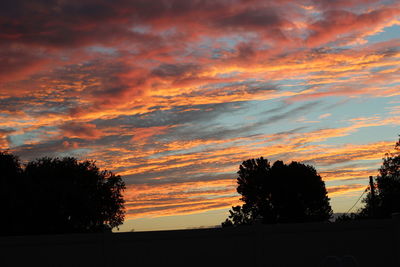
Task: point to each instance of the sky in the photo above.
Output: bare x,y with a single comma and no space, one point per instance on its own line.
173,94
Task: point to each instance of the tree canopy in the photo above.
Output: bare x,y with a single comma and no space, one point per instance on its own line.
58,195
387,194
279,194
10,190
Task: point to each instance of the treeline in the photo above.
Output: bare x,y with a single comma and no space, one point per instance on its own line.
64,195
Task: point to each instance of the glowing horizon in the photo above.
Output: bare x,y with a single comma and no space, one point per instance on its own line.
173,95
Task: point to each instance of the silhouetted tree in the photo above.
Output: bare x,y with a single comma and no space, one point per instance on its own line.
387,198
64,196
10,191
239,215
279,194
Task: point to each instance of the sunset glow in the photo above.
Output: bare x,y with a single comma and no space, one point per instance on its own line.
174,94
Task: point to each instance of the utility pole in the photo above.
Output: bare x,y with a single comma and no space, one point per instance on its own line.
373,206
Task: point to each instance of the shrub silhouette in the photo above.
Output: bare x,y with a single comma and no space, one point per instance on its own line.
279,194
61,196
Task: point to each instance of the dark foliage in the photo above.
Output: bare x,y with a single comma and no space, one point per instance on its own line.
10,190
279,194
387,199
59,196
346,217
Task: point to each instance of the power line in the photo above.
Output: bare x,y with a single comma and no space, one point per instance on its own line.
366,189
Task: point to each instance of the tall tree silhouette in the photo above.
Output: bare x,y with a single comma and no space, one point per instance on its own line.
387,198
279,194
10,190
64,196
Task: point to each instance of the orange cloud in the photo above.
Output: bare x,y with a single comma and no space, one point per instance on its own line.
141,135
335,191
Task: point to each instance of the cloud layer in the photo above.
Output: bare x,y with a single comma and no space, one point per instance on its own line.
175,94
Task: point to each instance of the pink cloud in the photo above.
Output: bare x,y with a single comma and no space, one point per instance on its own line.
339,22
80,130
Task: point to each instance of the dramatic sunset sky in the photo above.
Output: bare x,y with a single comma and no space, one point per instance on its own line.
174,94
